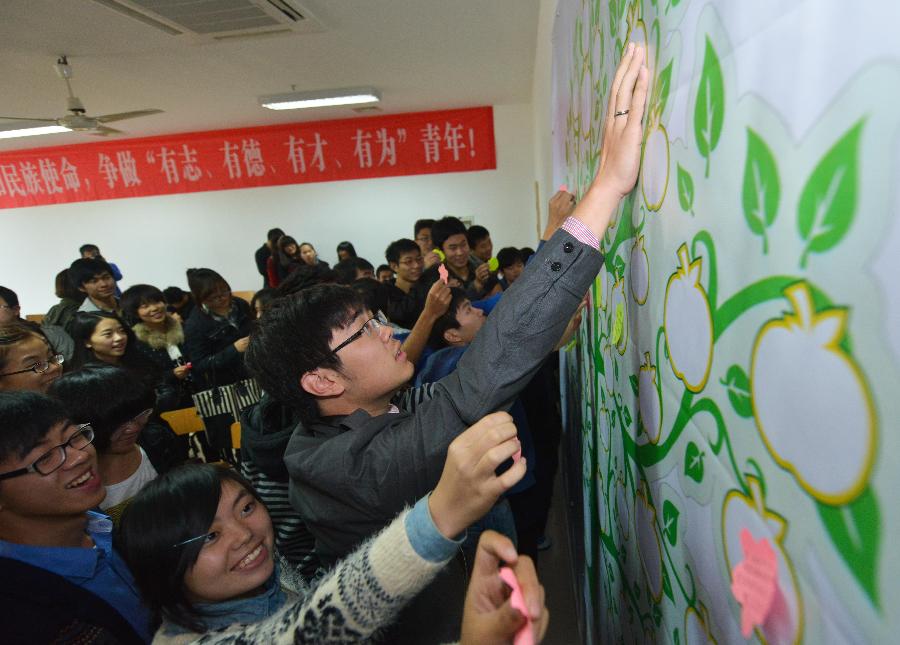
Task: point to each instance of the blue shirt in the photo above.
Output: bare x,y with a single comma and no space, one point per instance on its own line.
99,570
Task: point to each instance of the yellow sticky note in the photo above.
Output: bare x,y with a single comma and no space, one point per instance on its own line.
618,324
493,265
440,254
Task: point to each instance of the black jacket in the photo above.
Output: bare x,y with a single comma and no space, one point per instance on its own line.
43,607
210,344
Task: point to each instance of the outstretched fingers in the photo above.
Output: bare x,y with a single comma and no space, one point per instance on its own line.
638,102
625,95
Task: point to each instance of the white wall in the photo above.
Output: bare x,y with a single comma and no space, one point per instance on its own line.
154,239
541,100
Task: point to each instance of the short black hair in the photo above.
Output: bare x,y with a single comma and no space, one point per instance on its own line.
508,256
374,294
274,234
176,506
422,223
526,252
135,296
304,277
203,282
84,269
348,247
293,337
104,396
25,419
383,267
9,296
88,247
174,295
264,297
448,320
444,228
476,233
399,247
345,270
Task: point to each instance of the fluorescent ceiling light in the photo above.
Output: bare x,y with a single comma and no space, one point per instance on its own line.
33,131
323,98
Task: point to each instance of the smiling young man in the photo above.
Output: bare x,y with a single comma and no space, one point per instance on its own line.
467,272
94,278
63,582
356,461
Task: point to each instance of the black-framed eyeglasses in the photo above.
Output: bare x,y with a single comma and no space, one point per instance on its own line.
40,367
370,327
56,456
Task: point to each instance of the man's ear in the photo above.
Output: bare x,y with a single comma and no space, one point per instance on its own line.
452,336
322,382
394,266
81,289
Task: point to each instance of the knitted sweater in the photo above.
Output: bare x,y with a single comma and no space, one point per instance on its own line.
363,593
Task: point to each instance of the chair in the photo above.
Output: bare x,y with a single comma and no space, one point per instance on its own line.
37,318
184,421
236,435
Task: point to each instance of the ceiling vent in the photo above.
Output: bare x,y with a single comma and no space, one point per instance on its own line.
217,20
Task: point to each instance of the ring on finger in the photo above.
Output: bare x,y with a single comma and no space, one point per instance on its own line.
621,113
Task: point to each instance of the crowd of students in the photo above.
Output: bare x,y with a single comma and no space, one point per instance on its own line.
380,482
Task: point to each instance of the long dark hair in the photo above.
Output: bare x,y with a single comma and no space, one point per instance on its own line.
177,506
83,326
283,242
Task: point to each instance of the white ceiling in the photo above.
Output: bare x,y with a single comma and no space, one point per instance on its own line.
421,54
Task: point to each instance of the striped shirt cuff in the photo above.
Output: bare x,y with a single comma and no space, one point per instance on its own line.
577,229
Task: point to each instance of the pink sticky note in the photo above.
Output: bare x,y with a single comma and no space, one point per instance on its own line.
754,581
442,271
564,188
524,636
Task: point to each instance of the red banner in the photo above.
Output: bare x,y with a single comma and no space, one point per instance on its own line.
380,146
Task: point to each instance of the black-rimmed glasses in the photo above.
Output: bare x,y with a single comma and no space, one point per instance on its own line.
40,367
56,456
370,327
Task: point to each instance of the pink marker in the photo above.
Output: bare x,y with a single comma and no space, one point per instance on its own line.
524,636
564,188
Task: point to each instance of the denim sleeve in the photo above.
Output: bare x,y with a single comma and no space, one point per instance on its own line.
424,536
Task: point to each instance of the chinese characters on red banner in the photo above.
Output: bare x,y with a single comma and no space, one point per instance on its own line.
381,146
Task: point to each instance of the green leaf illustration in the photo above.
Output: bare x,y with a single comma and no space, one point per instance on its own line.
685,190
675,638
855,530
738,391
828,201
762,190
661,90
670,522
667,586
618,267
709,111
634,384
627,417
693,462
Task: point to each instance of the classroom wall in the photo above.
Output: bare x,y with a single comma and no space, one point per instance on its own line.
154,239
731,401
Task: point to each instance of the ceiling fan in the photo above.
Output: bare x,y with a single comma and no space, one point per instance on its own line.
78,119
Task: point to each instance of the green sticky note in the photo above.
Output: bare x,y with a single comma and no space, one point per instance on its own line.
493,265
618,324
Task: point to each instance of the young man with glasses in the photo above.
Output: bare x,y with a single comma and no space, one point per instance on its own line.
405,297
355,461
63,581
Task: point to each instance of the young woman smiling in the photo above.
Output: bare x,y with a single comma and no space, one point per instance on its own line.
27,362
200,545
160,340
